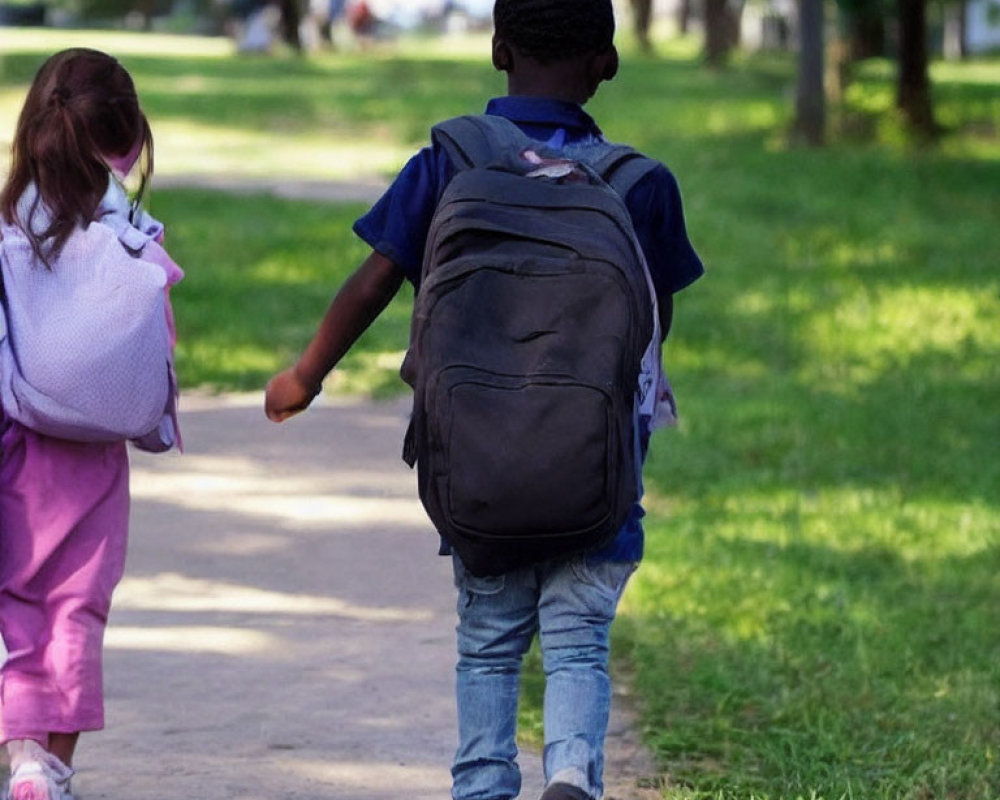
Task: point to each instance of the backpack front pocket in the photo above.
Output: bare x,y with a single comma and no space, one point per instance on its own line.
523,456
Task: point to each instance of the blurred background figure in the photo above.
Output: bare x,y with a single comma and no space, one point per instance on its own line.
252,25
306,25
361,19
257,25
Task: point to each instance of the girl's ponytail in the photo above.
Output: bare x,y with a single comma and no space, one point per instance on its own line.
68,177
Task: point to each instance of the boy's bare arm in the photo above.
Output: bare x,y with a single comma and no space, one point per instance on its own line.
360,300
666,315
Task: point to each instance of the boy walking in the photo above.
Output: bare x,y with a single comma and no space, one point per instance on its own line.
555,53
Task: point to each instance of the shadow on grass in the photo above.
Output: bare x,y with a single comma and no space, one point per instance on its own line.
846,331
818,608
823,670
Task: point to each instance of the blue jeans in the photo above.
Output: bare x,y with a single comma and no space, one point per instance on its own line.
570,605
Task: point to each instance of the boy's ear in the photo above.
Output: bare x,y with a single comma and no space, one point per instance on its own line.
600,67
503,57
610,66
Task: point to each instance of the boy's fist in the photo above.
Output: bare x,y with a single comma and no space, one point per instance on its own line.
286,395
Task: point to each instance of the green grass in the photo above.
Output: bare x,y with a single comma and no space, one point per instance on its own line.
818,613
352,115
260,274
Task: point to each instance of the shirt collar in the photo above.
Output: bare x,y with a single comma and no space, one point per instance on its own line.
546,112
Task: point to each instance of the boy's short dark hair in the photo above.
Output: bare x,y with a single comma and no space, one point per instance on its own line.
555,30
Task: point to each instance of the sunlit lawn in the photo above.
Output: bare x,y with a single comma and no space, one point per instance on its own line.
818,614
214,112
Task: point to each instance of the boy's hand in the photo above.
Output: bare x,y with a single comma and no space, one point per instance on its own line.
352,310
286,395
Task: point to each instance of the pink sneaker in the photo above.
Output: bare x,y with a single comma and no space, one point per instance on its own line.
45,779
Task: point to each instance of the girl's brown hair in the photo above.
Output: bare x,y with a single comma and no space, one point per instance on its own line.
82,108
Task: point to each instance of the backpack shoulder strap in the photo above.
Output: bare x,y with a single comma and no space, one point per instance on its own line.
623,167
474,140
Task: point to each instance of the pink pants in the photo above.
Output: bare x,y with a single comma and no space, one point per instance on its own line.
63,531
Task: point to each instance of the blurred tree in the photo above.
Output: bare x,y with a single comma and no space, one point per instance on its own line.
859,33
291,21
642,15
722,29
685,9
863,23
810,98
913,87
953,45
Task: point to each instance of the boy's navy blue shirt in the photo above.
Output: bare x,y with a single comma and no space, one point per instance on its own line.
397,225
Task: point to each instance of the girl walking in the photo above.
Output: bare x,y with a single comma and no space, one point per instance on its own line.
64,500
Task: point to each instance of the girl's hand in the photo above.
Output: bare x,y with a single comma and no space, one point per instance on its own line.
287,394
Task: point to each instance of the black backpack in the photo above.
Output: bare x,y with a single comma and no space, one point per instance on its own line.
531,328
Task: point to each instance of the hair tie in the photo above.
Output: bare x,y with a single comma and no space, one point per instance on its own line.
60,96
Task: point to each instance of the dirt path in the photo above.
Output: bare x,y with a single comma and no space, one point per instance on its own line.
285,627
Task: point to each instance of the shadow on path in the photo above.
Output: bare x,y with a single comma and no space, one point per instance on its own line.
284,629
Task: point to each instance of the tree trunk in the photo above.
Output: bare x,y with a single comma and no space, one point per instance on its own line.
684,11
838,68
866,31
734,21
913,90
291,18
954,31
718,37
642,14
810,102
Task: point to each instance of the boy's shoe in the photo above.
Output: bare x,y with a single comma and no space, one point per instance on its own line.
564,791
44,779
